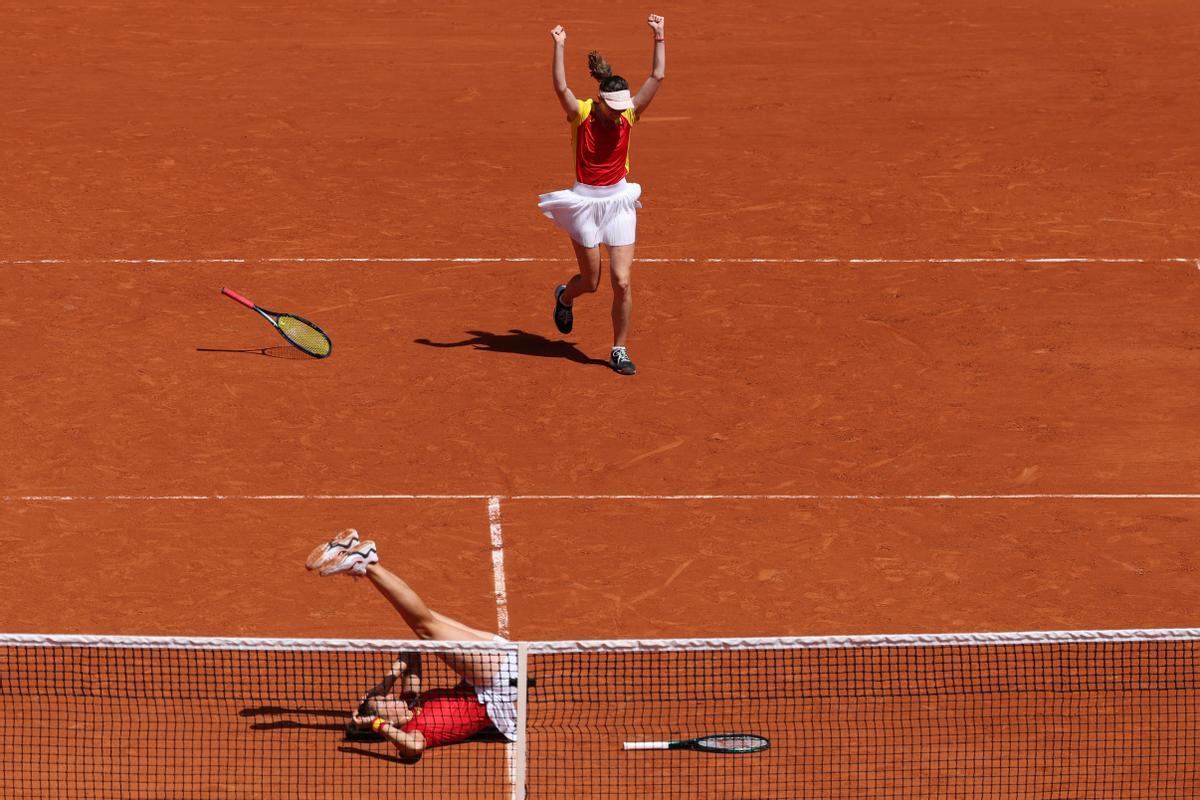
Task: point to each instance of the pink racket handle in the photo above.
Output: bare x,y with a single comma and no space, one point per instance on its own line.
230,293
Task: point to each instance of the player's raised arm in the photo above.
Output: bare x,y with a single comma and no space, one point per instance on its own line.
559,72
407,670
658,68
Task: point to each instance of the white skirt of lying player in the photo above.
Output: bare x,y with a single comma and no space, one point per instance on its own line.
595,215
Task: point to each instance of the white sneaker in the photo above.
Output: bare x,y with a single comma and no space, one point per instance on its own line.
353,562
322,554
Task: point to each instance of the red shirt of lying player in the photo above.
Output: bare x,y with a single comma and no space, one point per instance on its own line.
414,721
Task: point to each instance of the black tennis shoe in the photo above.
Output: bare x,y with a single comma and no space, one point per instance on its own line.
619,361
564,319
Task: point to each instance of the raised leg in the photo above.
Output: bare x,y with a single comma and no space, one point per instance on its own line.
476,667
588,279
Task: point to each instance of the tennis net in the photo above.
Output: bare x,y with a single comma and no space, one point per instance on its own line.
1092,714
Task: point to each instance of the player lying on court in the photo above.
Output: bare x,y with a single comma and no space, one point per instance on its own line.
410,720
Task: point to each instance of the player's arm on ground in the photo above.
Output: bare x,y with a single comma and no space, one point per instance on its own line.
410,744
559,73
658,68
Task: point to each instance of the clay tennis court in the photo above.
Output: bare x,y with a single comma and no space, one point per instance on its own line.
916,321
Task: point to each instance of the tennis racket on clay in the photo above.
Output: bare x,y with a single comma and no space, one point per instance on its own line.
721,743
298,331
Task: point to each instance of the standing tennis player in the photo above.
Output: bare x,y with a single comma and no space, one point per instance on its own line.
601,208
410,720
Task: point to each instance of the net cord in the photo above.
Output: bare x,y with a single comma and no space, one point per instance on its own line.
608,645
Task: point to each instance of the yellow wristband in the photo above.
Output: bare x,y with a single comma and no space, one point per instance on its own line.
378,724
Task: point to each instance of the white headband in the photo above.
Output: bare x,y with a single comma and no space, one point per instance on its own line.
618,101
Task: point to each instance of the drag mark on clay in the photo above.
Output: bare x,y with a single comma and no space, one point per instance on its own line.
652,453
651,592
899,336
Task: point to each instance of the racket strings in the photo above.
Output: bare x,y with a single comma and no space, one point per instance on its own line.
304,335
734,742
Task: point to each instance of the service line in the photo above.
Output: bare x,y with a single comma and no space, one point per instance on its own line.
538,259
494,500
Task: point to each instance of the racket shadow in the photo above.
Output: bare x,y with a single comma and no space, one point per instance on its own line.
276,351
519,342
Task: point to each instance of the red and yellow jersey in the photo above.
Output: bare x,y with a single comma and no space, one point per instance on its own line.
446,716
601,150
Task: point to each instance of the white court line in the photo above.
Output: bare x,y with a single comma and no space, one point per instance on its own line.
50,498
860,497
498,566
748,260
494,500
534,259
501,589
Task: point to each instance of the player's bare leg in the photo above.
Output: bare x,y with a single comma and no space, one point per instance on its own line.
620,266
469,633
476,667
345,554
588,278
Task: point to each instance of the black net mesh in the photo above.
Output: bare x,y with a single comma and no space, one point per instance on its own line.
1031,719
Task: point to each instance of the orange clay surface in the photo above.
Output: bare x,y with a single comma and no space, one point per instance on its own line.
893,131
904,130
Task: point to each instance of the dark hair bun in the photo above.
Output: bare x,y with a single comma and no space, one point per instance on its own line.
599,68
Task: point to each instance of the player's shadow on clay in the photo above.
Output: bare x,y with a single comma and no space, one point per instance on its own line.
521,343
277,351
334,721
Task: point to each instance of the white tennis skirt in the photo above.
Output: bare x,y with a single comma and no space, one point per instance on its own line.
499,696
595,215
